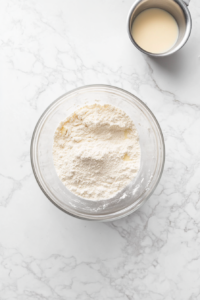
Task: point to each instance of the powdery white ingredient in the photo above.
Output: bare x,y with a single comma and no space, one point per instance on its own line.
96,151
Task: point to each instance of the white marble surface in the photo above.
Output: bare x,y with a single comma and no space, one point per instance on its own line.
48,47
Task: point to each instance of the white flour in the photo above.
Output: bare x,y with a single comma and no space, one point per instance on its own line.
96,151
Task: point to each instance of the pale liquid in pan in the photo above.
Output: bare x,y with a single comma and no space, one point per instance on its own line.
155,30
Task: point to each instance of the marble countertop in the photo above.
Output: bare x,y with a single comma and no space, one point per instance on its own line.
48,47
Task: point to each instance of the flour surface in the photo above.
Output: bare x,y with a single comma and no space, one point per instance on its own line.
96,151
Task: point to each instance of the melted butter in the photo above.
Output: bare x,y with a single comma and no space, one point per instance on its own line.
126,157
126,133
63,130
155,30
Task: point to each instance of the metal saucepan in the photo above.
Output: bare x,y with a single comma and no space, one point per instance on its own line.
177,8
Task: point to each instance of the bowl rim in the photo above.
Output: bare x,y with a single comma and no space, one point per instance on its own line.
109,217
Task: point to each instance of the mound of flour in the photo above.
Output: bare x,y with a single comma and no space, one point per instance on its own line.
96,151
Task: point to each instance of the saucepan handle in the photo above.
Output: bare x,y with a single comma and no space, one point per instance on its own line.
186,2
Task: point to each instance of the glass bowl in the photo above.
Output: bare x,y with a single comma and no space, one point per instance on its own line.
151,144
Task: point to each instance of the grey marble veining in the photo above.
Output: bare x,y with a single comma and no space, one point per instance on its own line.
46,49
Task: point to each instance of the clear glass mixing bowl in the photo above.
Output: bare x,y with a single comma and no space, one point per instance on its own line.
152,154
